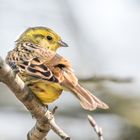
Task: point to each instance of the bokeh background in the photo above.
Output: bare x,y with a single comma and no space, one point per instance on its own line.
104,48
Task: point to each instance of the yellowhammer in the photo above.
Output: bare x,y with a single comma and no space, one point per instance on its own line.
44,71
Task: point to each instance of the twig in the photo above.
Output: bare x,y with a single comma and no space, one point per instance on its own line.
97,129
107,78
45,119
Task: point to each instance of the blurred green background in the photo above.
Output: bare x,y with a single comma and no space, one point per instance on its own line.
104,48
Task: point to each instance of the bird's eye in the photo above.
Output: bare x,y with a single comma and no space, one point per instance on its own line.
49,37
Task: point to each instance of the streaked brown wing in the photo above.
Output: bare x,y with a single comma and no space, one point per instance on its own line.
37,62
35,68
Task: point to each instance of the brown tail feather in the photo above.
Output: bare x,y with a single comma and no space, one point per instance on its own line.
87,100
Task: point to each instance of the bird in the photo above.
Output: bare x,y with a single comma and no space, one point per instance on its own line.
44,71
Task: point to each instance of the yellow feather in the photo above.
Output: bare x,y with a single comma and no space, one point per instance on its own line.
46,92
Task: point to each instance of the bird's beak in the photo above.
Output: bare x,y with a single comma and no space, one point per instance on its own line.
62,44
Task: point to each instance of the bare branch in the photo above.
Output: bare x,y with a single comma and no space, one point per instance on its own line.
45,119
38,132
102,78
97,129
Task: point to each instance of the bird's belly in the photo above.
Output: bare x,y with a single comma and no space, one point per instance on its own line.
46,92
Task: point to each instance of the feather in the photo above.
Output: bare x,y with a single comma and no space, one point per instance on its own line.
46,65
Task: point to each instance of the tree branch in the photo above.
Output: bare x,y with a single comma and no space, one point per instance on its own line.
101,78
44,118
97,129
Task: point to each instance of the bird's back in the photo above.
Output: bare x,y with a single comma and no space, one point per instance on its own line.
47,90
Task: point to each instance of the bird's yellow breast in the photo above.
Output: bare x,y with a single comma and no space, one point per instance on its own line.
46,92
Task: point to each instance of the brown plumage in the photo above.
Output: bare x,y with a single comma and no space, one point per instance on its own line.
44,71
42,64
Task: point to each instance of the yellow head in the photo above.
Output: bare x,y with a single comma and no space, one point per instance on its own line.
43,37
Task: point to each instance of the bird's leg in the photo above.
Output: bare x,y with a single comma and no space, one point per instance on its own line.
47,107
54,110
